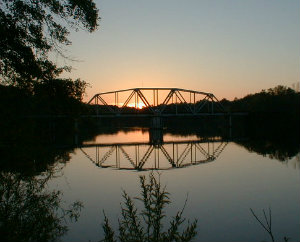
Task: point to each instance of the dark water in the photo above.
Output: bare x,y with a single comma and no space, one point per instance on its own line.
223,178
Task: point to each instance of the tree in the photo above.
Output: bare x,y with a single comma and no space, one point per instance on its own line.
31,29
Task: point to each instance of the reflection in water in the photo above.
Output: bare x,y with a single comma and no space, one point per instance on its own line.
33,159
279,149
147,156
152,149
28,212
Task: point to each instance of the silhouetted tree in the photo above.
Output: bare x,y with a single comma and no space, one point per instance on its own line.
55,96
279,99
30,30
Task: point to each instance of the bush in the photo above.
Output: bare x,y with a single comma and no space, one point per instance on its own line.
147,225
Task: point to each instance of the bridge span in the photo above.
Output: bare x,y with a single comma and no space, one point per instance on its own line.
163,102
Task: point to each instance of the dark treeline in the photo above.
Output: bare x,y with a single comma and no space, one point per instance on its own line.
272,114
64,97
55,97
279,100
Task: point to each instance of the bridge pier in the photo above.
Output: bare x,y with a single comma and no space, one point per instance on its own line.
156,130
76,131
156,122
156,137
230,126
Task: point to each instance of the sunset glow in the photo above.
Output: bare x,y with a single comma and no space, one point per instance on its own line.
140,105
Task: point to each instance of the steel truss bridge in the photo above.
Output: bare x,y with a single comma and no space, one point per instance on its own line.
148,156
162,102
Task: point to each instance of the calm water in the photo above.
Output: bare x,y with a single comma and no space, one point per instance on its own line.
223,181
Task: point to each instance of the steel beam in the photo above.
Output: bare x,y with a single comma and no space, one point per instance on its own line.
191,109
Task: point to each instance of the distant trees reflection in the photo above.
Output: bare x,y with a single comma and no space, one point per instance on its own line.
281,151
29,212
32,159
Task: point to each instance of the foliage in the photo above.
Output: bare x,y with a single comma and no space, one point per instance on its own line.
56,96
61,89
279,99
148,224
30,30
59,96
275,148
30,213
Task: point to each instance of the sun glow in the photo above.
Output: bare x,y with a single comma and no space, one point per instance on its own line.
139,105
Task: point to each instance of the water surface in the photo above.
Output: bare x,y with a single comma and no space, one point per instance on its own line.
222,178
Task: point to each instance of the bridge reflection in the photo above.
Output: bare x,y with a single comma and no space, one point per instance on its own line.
148,156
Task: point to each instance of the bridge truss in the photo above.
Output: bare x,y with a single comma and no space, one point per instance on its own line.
147,156
156,101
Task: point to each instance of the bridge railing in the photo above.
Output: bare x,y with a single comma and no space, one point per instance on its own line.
156,101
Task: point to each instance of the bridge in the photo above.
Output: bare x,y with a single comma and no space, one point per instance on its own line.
143,156
162,102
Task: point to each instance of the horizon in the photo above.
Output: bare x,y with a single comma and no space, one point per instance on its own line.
141,105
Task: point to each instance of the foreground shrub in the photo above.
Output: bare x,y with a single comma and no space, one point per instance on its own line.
147,225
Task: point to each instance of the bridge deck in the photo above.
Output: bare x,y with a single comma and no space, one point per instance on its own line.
199,141
161,115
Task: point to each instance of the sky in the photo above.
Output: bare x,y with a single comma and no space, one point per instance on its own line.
227,47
